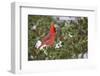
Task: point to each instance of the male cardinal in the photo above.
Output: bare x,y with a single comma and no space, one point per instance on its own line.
49,39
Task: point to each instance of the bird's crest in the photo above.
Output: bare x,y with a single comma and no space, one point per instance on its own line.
52,28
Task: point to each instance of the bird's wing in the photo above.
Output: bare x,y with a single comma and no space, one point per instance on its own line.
50,42
46,38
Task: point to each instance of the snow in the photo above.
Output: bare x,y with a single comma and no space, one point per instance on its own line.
70,35
63,18
33,27
38,44
80,55
85,55
31,57
59,45
41,48
67,18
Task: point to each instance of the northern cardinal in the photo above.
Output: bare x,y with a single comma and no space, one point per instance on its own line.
49,39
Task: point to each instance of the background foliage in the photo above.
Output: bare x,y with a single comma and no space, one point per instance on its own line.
72,33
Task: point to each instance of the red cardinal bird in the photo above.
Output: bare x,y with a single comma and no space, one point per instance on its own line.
50,38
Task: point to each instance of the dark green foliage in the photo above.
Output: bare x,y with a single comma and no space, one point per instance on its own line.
74,37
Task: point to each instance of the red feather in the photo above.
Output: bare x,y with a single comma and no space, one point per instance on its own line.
49,39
